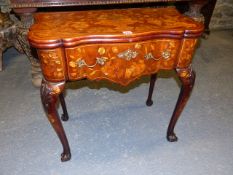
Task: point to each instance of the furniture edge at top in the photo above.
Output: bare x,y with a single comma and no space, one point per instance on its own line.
59,41
111,39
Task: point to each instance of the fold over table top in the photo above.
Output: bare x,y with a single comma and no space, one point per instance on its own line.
68,29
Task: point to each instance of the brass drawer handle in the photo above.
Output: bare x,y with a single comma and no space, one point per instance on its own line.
128,54
165,55
150,56
81,62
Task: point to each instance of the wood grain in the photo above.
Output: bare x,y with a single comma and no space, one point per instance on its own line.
117,45
126,25
148,59
53,64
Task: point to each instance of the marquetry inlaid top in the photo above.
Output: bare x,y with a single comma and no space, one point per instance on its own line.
125,23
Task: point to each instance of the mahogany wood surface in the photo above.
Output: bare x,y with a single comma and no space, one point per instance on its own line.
117,45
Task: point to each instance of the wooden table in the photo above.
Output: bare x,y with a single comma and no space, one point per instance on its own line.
24,9
116,45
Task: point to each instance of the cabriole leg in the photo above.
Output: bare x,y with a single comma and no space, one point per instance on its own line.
149,101
187,78
65,115
49,97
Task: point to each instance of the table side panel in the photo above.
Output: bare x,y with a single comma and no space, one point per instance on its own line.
186,52
53,64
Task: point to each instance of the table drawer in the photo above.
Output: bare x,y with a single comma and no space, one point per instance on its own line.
121,62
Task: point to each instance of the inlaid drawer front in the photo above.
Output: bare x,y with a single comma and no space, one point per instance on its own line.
121,62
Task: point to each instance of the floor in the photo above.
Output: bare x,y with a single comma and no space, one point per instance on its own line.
112,132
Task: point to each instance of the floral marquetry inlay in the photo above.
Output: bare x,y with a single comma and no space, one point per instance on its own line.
119,45
52,63
186,53
119,23
121,63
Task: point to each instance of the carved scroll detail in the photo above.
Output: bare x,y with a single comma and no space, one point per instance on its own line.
52,88
184,72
